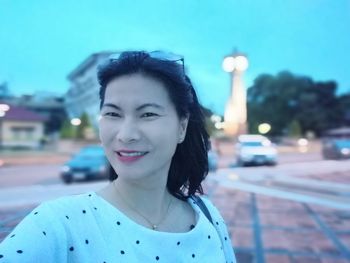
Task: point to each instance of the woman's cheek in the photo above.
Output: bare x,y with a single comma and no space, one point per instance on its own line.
106,131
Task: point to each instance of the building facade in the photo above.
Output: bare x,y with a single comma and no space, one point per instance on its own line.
83,94
21,128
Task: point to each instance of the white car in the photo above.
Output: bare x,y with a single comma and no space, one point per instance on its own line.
255,150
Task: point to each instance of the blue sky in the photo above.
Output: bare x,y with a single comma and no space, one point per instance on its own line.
42,41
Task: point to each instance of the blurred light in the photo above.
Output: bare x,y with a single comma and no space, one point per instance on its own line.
228,64
233,177
219,125
345,151
4,107
2,113
303,142
264,128
2,162
65,168
102,169
215,118
241,63
75,121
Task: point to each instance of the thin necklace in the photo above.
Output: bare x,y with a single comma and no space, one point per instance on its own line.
153,226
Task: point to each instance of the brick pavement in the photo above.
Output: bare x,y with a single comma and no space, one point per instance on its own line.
267,229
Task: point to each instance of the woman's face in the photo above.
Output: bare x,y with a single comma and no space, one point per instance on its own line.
139,127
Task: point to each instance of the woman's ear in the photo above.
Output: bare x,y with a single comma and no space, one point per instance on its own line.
183,128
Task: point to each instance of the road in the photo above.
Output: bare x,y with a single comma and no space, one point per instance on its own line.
302,175
48,174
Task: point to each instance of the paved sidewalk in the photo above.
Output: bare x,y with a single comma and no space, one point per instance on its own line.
268,229
263,229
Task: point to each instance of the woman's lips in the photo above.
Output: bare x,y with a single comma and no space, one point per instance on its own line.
127,156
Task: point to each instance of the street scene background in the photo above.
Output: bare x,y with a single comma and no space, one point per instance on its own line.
290,61
297,211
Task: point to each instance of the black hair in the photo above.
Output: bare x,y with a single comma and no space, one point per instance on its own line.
189,165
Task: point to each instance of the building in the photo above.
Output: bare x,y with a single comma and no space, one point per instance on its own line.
83,94
21,128
47,104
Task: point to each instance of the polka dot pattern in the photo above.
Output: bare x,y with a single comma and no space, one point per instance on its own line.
89,215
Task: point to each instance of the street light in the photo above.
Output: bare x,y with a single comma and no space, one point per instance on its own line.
236,63
75,121
264,128
235,117
4,107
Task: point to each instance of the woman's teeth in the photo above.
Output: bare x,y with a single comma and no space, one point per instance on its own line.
132,154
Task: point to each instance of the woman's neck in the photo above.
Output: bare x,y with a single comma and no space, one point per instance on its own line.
150,201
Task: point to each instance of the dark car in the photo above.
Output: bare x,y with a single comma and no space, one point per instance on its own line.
336,149
90,163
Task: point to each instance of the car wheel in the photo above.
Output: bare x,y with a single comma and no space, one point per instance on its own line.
240,163
67,179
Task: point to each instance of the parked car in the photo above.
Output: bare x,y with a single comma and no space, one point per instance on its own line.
89,163
255,150
336,149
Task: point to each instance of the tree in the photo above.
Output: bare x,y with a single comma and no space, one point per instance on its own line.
343,109
285,98
84,125
294,129
67,130
317,109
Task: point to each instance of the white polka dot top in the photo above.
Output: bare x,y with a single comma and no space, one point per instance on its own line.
86,228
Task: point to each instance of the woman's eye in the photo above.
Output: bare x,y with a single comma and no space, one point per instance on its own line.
149,114
112,114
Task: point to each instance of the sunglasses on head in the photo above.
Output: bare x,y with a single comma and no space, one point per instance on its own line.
158,54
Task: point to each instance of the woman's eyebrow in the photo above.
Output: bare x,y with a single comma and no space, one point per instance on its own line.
111,105
141,107
154,105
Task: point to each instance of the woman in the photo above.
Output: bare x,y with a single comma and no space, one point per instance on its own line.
152,131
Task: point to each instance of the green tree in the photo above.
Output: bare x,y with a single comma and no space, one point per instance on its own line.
67,130
294,129
84,125
317,108
279,100
343,109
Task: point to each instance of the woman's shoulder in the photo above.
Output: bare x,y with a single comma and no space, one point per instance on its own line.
209,205
63,204
212,209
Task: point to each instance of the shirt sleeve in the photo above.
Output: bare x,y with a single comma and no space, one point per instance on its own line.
221,228
37,238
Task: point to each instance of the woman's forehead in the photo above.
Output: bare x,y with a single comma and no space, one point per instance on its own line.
136,89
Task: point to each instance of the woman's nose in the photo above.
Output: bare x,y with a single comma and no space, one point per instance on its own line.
128,131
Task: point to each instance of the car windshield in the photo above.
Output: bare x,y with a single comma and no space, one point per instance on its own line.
91,152
342,143
252,144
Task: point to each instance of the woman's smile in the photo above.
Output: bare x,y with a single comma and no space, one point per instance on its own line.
128,156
